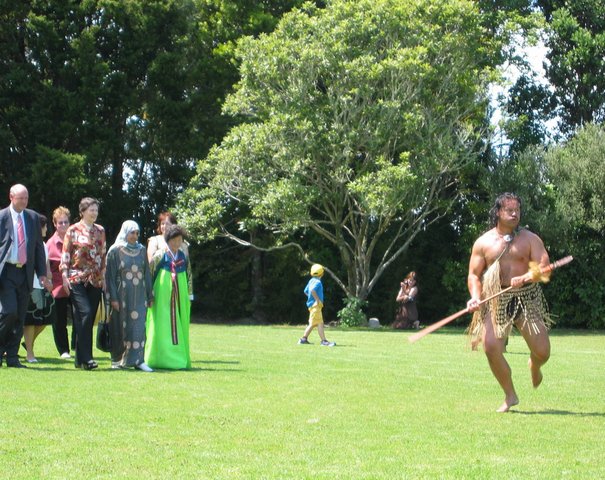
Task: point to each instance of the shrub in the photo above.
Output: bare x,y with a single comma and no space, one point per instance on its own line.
352,315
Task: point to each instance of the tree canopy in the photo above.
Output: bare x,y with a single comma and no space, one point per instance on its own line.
117,99
573,93
356,119
355,133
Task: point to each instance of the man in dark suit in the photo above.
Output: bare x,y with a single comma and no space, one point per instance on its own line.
21,254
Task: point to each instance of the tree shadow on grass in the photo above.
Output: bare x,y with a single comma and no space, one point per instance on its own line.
215,362
104,369
550,411
199,369
222,362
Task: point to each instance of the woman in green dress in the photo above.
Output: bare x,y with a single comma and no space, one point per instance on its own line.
128,281
168,319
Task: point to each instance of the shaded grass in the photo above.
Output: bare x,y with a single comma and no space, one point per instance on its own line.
256,405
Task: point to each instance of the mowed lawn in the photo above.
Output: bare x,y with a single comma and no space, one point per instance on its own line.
257,405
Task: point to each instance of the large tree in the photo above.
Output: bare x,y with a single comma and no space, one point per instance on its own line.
357,119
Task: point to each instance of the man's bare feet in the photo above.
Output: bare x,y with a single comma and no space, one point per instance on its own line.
536,374
508,403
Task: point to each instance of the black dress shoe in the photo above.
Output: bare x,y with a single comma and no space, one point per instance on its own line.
15,365
90,365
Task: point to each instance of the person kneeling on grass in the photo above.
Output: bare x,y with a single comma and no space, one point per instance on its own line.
315,298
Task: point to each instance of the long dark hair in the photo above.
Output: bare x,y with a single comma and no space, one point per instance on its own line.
500,199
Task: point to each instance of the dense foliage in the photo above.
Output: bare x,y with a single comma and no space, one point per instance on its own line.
364,132
358,120
116,99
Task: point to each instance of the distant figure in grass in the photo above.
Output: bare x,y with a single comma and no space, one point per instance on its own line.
501,257
407,312
315,302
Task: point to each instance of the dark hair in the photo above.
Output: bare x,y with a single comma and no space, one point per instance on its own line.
173,231
85,204
163,216
500,199
43,220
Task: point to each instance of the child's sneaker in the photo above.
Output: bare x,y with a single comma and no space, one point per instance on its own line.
304,341
325,343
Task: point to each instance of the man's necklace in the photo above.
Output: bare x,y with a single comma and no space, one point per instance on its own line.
508,240
507,237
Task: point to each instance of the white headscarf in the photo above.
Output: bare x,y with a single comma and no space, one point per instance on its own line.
128,226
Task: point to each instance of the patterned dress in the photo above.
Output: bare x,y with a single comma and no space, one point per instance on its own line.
128,282
83,256
168,319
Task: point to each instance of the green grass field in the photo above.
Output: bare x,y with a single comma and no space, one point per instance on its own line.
256,405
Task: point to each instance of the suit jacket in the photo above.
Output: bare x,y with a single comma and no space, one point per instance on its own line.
36,258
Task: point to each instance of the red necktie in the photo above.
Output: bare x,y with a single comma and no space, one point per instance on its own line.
21,248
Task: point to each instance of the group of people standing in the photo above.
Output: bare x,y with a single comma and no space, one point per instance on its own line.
149,291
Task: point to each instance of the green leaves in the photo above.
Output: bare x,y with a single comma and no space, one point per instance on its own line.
358,116
577,62
578,171
382,190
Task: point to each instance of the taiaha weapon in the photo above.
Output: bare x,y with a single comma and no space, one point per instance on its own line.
538,273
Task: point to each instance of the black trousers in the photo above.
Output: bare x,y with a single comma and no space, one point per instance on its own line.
14,299
62,305
85,300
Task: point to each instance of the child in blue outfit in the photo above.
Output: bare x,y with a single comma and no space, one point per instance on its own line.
315,302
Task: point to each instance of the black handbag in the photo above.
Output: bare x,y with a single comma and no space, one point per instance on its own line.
103,333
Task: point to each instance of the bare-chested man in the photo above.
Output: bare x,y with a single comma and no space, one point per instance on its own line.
500,258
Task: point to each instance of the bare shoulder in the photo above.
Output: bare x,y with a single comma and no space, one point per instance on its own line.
483,241
529,236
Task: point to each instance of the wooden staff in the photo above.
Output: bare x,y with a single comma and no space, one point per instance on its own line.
544,275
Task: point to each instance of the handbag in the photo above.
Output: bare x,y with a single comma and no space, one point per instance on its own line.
103,333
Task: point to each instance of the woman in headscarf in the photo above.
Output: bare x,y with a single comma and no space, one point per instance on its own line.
129,289
168,319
